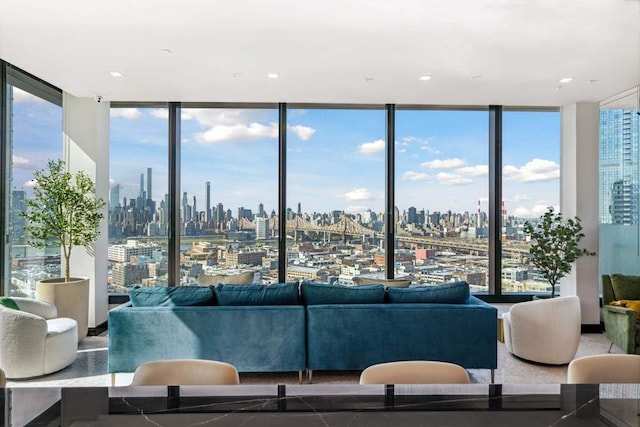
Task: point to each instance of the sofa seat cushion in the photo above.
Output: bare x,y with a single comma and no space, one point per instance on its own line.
280,294
450,293
322,293
625,287
141,296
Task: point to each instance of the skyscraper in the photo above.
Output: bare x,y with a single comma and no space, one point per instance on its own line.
185,203
262,228
619,167
149,194
142,186
114,196
207,214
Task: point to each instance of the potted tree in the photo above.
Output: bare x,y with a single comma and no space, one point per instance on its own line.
554,245
64,212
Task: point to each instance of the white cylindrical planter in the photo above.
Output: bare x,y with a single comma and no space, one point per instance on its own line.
70,298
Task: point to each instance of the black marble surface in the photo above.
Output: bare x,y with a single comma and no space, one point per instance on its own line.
326,405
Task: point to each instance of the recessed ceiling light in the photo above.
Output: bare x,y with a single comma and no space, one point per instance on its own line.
566,80
592,81
115,74
273,75
368,79
167,51
425,78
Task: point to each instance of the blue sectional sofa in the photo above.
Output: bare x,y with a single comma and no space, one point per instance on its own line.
326,327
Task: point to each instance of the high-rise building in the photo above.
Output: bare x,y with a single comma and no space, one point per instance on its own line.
149,194
142,186
219,213
262,228
619,167
299,209
207,213
411,215
185,203
261,212
114,196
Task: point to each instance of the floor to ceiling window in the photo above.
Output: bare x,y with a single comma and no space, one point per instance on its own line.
335,194
138,198
34,137
441,196
620,183
530,184
229,195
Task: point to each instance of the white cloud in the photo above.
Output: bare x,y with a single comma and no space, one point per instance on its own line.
533,212
429,149
126,113
452,179
444,163
357,194
415,176
20,96
302,132
29,184
534,171
402,150
484,199
477,170
371,147
238,133
21,163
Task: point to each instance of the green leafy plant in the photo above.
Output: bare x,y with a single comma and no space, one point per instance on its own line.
63,212
554,245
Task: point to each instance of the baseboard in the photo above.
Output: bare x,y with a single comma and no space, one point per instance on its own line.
92,332
591,329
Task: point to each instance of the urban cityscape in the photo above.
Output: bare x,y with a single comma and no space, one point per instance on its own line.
431,247
445,239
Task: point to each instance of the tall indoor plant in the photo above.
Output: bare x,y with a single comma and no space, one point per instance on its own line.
64,212
554,245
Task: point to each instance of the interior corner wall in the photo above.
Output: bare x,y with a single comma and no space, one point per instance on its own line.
579,177
86,148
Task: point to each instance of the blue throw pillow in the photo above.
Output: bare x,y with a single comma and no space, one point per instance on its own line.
450,293
141,296
321,293
280,294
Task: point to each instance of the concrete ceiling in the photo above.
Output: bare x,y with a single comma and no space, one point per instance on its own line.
478,52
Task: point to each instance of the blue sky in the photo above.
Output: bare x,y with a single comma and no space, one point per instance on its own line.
335,158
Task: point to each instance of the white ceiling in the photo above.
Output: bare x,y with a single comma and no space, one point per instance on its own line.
329,51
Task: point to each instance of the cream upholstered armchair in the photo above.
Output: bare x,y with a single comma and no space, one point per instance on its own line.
415,372
185,372
544,331
33,341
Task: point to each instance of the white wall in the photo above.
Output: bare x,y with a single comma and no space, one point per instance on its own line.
86,148
579,177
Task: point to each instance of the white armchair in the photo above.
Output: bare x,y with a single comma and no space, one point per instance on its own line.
33,341
544,331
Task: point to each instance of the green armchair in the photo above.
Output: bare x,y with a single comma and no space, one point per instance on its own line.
620,323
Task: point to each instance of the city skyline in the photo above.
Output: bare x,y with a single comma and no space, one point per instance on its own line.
439,166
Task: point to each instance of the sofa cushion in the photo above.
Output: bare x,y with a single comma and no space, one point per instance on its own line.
322,293
9,303
449,293
280,294
141,296
387,283
625,287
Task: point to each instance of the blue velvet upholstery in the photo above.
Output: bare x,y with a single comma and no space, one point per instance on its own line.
352,337
280,294
142,296
449,293
252,338
322,293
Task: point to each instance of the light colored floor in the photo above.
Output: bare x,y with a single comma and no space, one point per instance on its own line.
90,369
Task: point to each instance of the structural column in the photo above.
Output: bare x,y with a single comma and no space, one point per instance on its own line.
86,148
579,181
